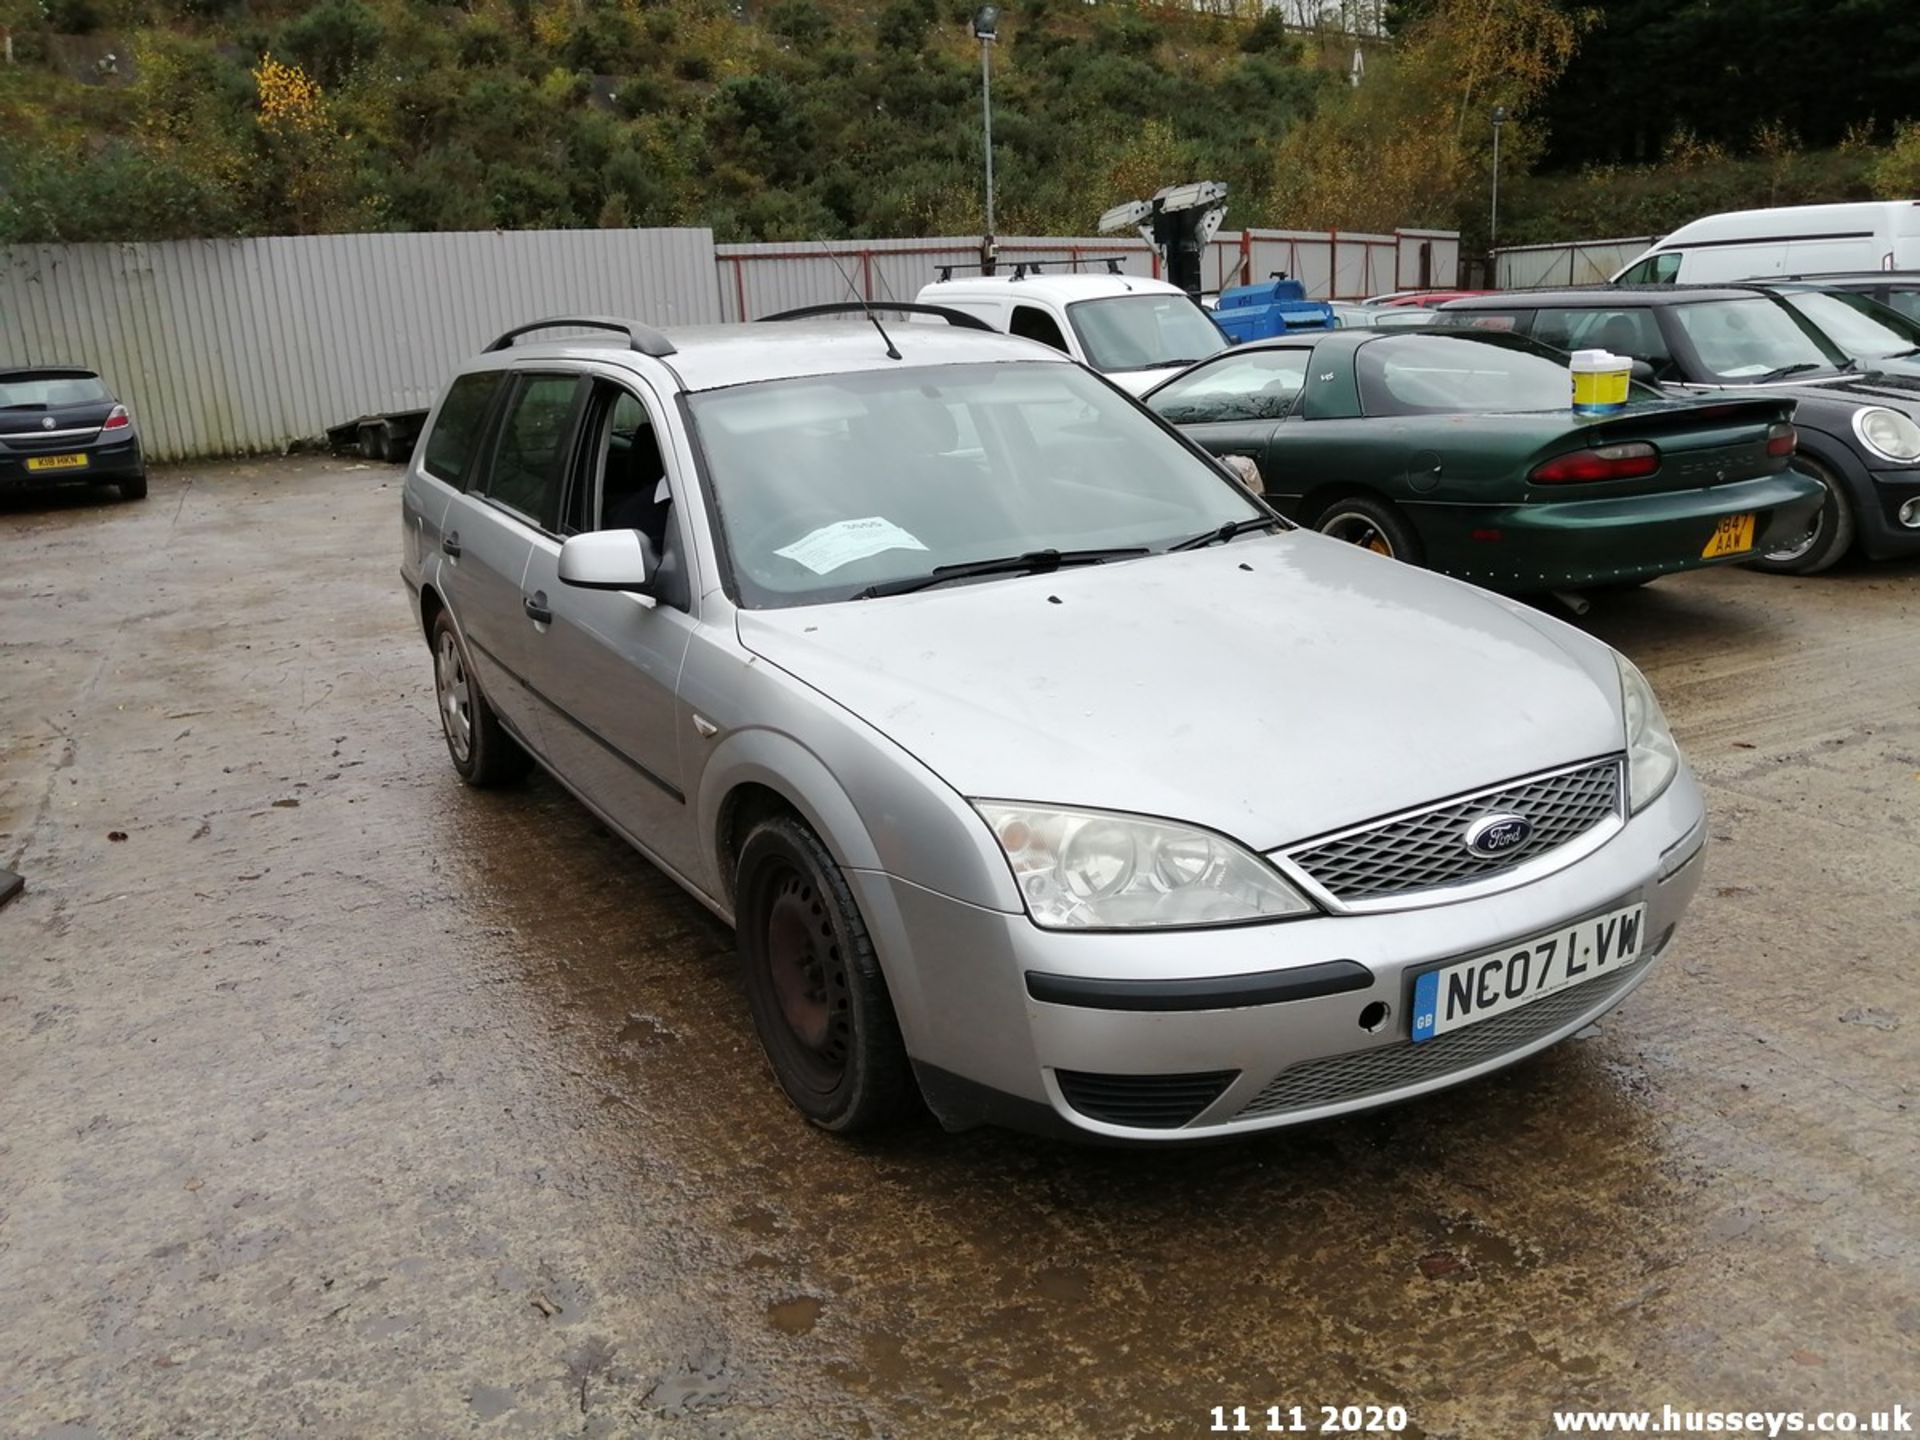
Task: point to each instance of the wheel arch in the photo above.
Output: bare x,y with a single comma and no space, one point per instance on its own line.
430,607
1309,507
760,772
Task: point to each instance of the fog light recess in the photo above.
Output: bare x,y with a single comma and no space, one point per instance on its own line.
1910,513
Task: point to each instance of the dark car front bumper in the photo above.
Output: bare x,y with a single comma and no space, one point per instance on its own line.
1877,520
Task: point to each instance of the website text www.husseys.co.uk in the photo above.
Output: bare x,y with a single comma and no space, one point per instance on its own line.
1897,1420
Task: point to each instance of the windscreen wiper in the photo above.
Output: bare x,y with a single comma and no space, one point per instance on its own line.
1786,370
1031,562
1224,533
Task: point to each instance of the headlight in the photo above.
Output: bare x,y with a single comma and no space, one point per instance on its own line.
1652,757
1887,432
1094,870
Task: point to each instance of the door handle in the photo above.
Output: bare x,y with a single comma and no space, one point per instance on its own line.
450,543
536,608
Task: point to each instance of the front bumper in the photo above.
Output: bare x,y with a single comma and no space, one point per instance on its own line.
990,1048
1882,535
1568,544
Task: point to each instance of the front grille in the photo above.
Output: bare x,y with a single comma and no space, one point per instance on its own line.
1335,1078
1428,848
1151,1102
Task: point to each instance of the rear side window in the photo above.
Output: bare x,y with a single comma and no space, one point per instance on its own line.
531,456
1453,375
456,431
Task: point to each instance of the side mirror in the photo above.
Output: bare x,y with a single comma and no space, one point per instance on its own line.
1641,371
609,560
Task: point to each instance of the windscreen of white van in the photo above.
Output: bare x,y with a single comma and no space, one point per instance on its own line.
1144,332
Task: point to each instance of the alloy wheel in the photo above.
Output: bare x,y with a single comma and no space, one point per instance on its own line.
455,695
1357,529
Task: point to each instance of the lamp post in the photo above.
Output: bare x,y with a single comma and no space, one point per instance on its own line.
1493,223
986,26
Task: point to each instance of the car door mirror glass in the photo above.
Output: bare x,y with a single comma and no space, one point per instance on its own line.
609,560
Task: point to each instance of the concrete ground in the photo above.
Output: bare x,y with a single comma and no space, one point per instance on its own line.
336,1098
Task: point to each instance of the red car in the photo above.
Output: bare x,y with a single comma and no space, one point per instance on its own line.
1423,297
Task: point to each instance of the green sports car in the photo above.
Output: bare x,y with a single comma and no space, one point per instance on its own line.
1462,452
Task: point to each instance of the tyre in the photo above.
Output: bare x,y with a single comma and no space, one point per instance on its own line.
1830,537
481,750
814,985
134,489
1371,524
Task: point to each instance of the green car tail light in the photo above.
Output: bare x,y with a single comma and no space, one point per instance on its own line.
1782,439
1606,462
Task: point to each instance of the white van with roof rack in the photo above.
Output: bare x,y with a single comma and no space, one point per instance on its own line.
1793,239
1134,330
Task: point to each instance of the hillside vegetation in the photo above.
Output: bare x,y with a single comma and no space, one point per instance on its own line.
801,118
788,119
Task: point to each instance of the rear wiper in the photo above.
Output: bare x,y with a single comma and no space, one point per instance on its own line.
1225,533
1031,562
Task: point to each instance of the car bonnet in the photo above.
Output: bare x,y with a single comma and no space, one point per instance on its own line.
1272,689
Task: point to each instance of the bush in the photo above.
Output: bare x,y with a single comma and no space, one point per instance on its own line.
119,193
483,43
801,21
1896,173
330,41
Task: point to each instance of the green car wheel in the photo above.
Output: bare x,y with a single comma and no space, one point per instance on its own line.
1372,525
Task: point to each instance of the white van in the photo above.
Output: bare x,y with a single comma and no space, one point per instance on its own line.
1791,240
1133,330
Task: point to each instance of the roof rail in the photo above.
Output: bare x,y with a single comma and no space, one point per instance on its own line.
1024,268
642,339
959,319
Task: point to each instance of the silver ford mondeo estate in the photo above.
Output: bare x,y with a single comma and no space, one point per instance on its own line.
1046,777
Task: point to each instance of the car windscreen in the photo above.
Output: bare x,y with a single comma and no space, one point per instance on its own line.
829,484
1144,332
51,390
1751,339
1859,325
1239,385
1455,374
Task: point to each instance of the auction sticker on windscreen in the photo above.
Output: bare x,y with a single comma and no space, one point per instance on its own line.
846,541
1468,991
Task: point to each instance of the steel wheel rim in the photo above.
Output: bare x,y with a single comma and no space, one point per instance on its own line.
1357,529
808,979
1798,550
456,697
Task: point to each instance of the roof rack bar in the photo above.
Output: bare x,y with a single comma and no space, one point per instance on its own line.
642,339
959,319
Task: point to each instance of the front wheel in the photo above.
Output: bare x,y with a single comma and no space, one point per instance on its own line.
813,983
1371,524
1828,538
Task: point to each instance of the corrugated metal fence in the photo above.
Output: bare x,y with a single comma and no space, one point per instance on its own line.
764,279
1574,262
233,346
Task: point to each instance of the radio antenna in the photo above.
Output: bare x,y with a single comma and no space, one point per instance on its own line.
892,352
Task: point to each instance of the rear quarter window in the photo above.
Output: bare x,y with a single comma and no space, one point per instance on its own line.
456,429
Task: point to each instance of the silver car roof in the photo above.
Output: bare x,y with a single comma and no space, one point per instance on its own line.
708,357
